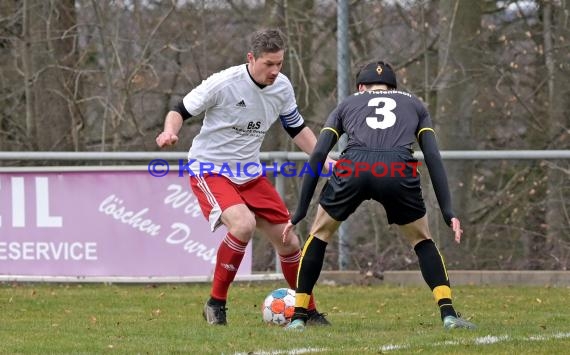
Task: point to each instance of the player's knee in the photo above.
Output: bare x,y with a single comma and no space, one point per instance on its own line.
294,242
414,234
419,238
243,227
324,235
324,228
292,245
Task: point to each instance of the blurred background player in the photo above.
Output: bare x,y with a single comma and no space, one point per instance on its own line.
240,105
382,124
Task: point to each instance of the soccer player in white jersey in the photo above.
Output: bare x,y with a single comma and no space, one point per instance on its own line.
240,104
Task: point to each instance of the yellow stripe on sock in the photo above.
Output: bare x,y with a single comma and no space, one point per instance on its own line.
441,292
443,263
309,240
302,300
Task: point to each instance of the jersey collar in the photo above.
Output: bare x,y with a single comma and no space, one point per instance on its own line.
261,86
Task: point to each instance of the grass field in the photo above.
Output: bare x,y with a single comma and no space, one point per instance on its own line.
166,319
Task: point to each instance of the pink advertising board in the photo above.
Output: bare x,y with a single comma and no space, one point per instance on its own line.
104,223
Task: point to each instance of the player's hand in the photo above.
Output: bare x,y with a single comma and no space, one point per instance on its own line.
166,138
456,226
329,165
286,230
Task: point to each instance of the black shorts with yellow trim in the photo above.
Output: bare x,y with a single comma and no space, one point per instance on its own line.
387,176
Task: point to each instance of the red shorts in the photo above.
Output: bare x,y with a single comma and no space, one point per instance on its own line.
216,193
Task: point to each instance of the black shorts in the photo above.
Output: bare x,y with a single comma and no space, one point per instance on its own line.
387,176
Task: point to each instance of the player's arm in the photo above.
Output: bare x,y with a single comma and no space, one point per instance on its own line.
295,127
325,143
302,136
432,157
195,102
305,140
172,125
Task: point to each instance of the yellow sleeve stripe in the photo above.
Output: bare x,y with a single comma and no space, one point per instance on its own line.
331,129
424,129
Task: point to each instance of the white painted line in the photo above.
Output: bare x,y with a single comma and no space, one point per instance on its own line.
484,340
288,352
491,339
391,347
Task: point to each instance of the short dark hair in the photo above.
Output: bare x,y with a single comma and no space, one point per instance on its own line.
266,41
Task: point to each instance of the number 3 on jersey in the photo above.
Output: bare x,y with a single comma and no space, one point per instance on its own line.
388,118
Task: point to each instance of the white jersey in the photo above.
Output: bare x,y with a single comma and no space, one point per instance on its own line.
238,113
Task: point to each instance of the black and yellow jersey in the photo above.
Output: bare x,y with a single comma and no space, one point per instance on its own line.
380,119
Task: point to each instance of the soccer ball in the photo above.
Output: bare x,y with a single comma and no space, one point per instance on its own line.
279,306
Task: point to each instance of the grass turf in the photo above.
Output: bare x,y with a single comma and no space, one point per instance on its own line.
167,319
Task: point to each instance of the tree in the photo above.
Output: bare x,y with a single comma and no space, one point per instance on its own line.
457,89
556,33
49,56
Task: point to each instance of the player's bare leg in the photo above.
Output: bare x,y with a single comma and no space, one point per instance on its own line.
273,234
324,225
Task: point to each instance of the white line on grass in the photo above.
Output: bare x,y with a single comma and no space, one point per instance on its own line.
490,339
485,340
288,352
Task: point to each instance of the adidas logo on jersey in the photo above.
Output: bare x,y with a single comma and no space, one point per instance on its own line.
241,104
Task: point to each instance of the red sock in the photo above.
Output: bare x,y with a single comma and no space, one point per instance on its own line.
230,254
289,267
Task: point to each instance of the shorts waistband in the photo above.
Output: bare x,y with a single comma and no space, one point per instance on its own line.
385,150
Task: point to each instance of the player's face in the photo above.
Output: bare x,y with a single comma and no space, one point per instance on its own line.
266,67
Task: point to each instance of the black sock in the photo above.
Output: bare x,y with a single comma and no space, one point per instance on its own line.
435,275
311,264
446,309
300,313
310,268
